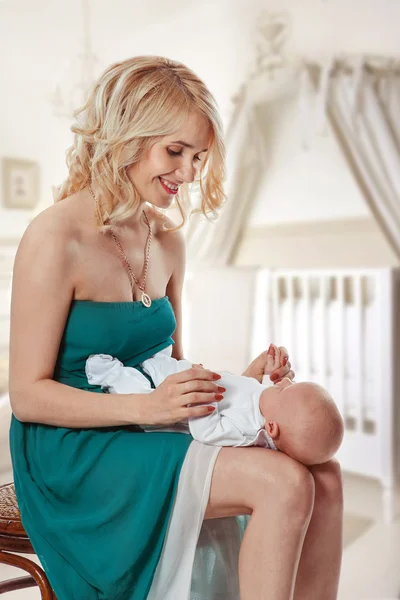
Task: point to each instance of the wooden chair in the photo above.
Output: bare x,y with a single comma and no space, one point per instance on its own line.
14,541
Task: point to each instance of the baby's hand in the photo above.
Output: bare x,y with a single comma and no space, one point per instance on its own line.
257,368
273,360
197,366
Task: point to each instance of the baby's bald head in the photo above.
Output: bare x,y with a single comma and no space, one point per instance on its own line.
310,425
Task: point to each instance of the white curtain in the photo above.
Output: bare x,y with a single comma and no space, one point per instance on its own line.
214,243
363,106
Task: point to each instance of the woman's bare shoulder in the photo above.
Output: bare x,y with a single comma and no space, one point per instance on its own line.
59,219
174,247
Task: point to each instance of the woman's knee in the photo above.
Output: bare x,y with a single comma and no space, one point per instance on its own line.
249,479
294,487
328,483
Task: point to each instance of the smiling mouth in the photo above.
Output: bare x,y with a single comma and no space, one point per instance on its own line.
170,188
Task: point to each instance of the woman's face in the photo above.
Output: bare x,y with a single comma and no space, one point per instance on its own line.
171,161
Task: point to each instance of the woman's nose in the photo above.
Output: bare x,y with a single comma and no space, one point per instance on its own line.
186,173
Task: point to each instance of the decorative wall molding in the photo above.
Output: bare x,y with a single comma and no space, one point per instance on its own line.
355,225
327,244
12,242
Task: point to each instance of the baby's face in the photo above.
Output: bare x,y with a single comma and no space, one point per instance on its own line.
285,392
283,384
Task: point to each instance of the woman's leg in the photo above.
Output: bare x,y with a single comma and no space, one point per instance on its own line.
278,492
319,568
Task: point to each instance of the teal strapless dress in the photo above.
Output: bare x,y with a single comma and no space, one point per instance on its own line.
96,502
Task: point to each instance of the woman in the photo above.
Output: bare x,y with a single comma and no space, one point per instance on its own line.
101,270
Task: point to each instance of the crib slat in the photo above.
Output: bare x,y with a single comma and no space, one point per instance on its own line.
275,310
323,283
386,427
341,399
290,333
357,360
305,345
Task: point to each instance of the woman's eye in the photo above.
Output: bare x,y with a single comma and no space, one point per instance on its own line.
172,153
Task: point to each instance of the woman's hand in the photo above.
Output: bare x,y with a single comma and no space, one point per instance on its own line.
285,370
273,362
183,395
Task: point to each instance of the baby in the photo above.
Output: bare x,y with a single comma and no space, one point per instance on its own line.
299,419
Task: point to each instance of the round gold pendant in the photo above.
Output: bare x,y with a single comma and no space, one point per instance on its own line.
146,300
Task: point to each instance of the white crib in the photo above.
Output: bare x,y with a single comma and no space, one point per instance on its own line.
341,329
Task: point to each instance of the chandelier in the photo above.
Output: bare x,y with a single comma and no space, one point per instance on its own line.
77,76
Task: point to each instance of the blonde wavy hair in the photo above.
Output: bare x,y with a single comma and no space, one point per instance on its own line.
133,103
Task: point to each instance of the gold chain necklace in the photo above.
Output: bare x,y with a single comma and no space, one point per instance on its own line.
145,298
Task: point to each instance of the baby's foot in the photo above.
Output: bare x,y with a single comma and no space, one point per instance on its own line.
264,364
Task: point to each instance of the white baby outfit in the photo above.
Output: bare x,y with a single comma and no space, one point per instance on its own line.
236,420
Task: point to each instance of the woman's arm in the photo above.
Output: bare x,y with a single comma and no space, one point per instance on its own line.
52,403
42,291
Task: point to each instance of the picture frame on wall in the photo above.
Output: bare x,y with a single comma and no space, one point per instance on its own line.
20,183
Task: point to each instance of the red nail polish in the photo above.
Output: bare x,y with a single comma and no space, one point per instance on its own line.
210,408
218,396
216,376
284,362
274,377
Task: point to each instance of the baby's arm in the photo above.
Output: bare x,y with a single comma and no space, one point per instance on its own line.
110,373
161,366
216,429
